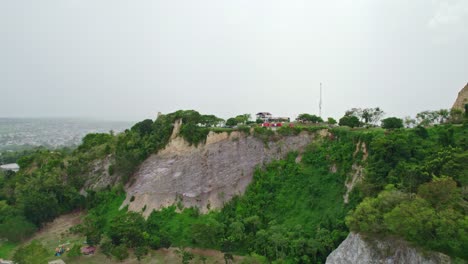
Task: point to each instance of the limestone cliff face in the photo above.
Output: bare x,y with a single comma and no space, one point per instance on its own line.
355,249
208,175
462,99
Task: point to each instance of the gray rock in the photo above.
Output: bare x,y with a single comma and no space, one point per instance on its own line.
355,249
206,176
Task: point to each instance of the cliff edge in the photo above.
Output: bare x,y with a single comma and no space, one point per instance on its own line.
208,175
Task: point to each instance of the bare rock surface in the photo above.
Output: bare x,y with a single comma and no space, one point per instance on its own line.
356,250
206,176
462,99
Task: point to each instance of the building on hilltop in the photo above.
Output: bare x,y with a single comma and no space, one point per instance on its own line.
264,116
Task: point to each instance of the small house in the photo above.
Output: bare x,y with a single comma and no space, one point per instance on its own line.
264,116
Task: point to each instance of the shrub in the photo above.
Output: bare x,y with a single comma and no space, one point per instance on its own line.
392,123
34,253
350,121
120,252
75,251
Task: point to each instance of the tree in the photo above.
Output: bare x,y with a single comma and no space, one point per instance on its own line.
372,115
107,247
34,253
456,116
210,120
128,229
144,127
140,252
440,192
186,256
231,122
309,118
16,228
75,251
427,118
208,233
444,115
93,236
392,123
350,121
120,252
409,122
242,119
412,219
366,115
331,121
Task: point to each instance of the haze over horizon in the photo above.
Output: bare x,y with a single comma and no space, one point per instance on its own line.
120,60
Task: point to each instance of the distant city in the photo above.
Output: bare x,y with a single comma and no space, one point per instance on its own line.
24,133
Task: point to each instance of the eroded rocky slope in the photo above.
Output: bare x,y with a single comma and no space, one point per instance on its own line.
462,98
208,175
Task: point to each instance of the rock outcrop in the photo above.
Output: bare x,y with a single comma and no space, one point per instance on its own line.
206,176
357,169
356,249
462,99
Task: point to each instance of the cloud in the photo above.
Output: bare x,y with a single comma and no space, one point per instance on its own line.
448,13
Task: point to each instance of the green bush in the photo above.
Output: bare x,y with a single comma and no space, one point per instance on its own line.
120,252
392,123
75,251
350,121
33,253
16,229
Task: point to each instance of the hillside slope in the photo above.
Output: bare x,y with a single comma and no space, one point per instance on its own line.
208,175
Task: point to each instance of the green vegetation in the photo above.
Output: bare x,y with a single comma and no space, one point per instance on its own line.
392,123
365,116
310,118
350,121
33,253
285,213
6,249
427,170
293,211
331,121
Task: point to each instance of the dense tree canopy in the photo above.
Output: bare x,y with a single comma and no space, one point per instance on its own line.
350,121
309,118
392,123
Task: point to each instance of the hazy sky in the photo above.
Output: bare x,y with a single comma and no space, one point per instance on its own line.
127,60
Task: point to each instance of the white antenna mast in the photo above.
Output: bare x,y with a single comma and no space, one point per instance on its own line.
320,102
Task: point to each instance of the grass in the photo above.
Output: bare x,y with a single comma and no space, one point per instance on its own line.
7,249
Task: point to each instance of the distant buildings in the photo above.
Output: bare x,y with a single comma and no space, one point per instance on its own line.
267,117
264,116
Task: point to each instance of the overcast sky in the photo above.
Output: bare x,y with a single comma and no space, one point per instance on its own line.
128,60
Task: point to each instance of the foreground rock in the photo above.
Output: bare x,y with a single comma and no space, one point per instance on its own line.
355,249
208,175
